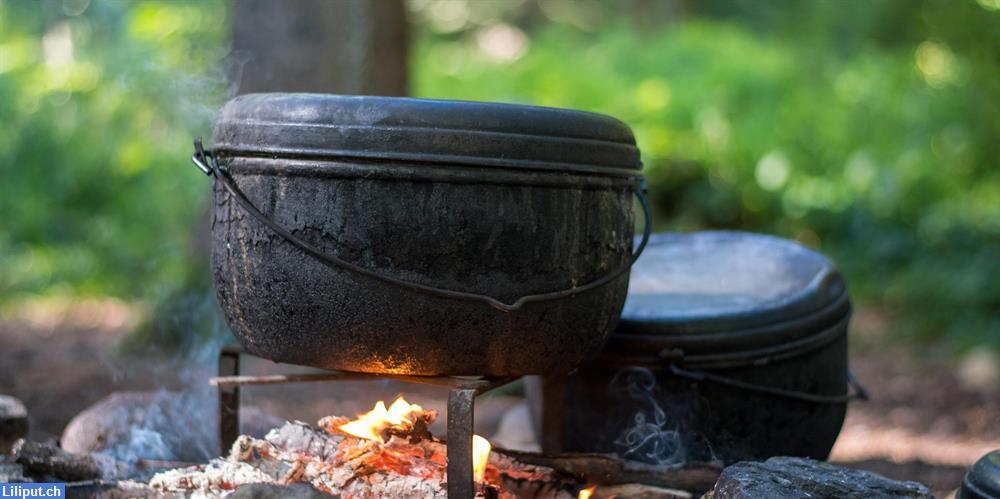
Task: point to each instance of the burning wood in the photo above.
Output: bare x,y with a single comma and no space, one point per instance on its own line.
386,452
607,469
380,424
389,452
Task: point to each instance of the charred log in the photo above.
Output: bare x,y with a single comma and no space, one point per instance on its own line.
610,470
272,491
48,460
113,489
638,491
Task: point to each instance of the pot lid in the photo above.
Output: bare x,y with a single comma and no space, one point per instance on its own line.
424,130
725,281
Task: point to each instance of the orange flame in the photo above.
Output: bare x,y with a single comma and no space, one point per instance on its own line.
480,456
369,425
587,492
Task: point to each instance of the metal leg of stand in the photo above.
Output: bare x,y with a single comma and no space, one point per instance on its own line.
229,401
461,404
552,404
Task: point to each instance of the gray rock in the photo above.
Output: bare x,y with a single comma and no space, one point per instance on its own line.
795,478
274,491
157,425
516,431
12,473
13,423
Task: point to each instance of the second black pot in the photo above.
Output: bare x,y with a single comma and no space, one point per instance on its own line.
732,346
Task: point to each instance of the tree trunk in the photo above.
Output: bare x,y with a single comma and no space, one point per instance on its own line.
343,46
328,46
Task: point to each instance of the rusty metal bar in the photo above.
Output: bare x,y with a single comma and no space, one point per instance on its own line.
461,411
480,385
552,421
229,400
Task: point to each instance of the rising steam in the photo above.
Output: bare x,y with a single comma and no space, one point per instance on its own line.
650,436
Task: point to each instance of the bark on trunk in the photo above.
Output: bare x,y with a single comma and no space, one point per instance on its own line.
346,46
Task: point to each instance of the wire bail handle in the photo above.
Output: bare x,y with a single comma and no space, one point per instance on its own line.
208,164
856,390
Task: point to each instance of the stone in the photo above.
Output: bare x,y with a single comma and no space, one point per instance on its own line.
795,478
156,425
13,423
979,370
12,473
515,431
274,491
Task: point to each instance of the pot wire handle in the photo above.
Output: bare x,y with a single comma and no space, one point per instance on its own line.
857,391
207,162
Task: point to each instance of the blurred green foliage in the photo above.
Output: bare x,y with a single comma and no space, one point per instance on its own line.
869,129
98,104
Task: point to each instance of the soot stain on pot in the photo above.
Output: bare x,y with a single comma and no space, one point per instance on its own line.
227,284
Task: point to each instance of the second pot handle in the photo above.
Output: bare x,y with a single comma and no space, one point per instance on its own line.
208,164
857,391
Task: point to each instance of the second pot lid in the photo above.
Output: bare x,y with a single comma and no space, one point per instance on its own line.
721,280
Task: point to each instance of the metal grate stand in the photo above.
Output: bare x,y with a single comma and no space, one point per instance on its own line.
461,406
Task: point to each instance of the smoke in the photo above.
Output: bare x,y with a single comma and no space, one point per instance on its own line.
172,426
169,412
200,96
179,347
651,436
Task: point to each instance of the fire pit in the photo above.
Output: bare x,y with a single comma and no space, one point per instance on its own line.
462,447
461,456
388,452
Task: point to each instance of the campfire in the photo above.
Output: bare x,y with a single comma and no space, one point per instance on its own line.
386,452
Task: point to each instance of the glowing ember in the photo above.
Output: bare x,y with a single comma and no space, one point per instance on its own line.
404,419
480,456
371,424
586,493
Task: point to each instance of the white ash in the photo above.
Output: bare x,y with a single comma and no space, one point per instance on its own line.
295,452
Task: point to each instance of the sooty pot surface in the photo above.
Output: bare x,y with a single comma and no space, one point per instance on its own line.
498,200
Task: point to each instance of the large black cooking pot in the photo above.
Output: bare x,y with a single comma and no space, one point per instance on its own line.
731,346
417,236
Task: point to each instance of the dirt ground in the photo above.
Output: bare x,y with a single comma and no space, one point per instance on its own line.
924,421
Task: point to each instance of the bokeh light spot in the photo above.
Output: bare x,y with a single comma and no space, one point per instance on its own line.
772,171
